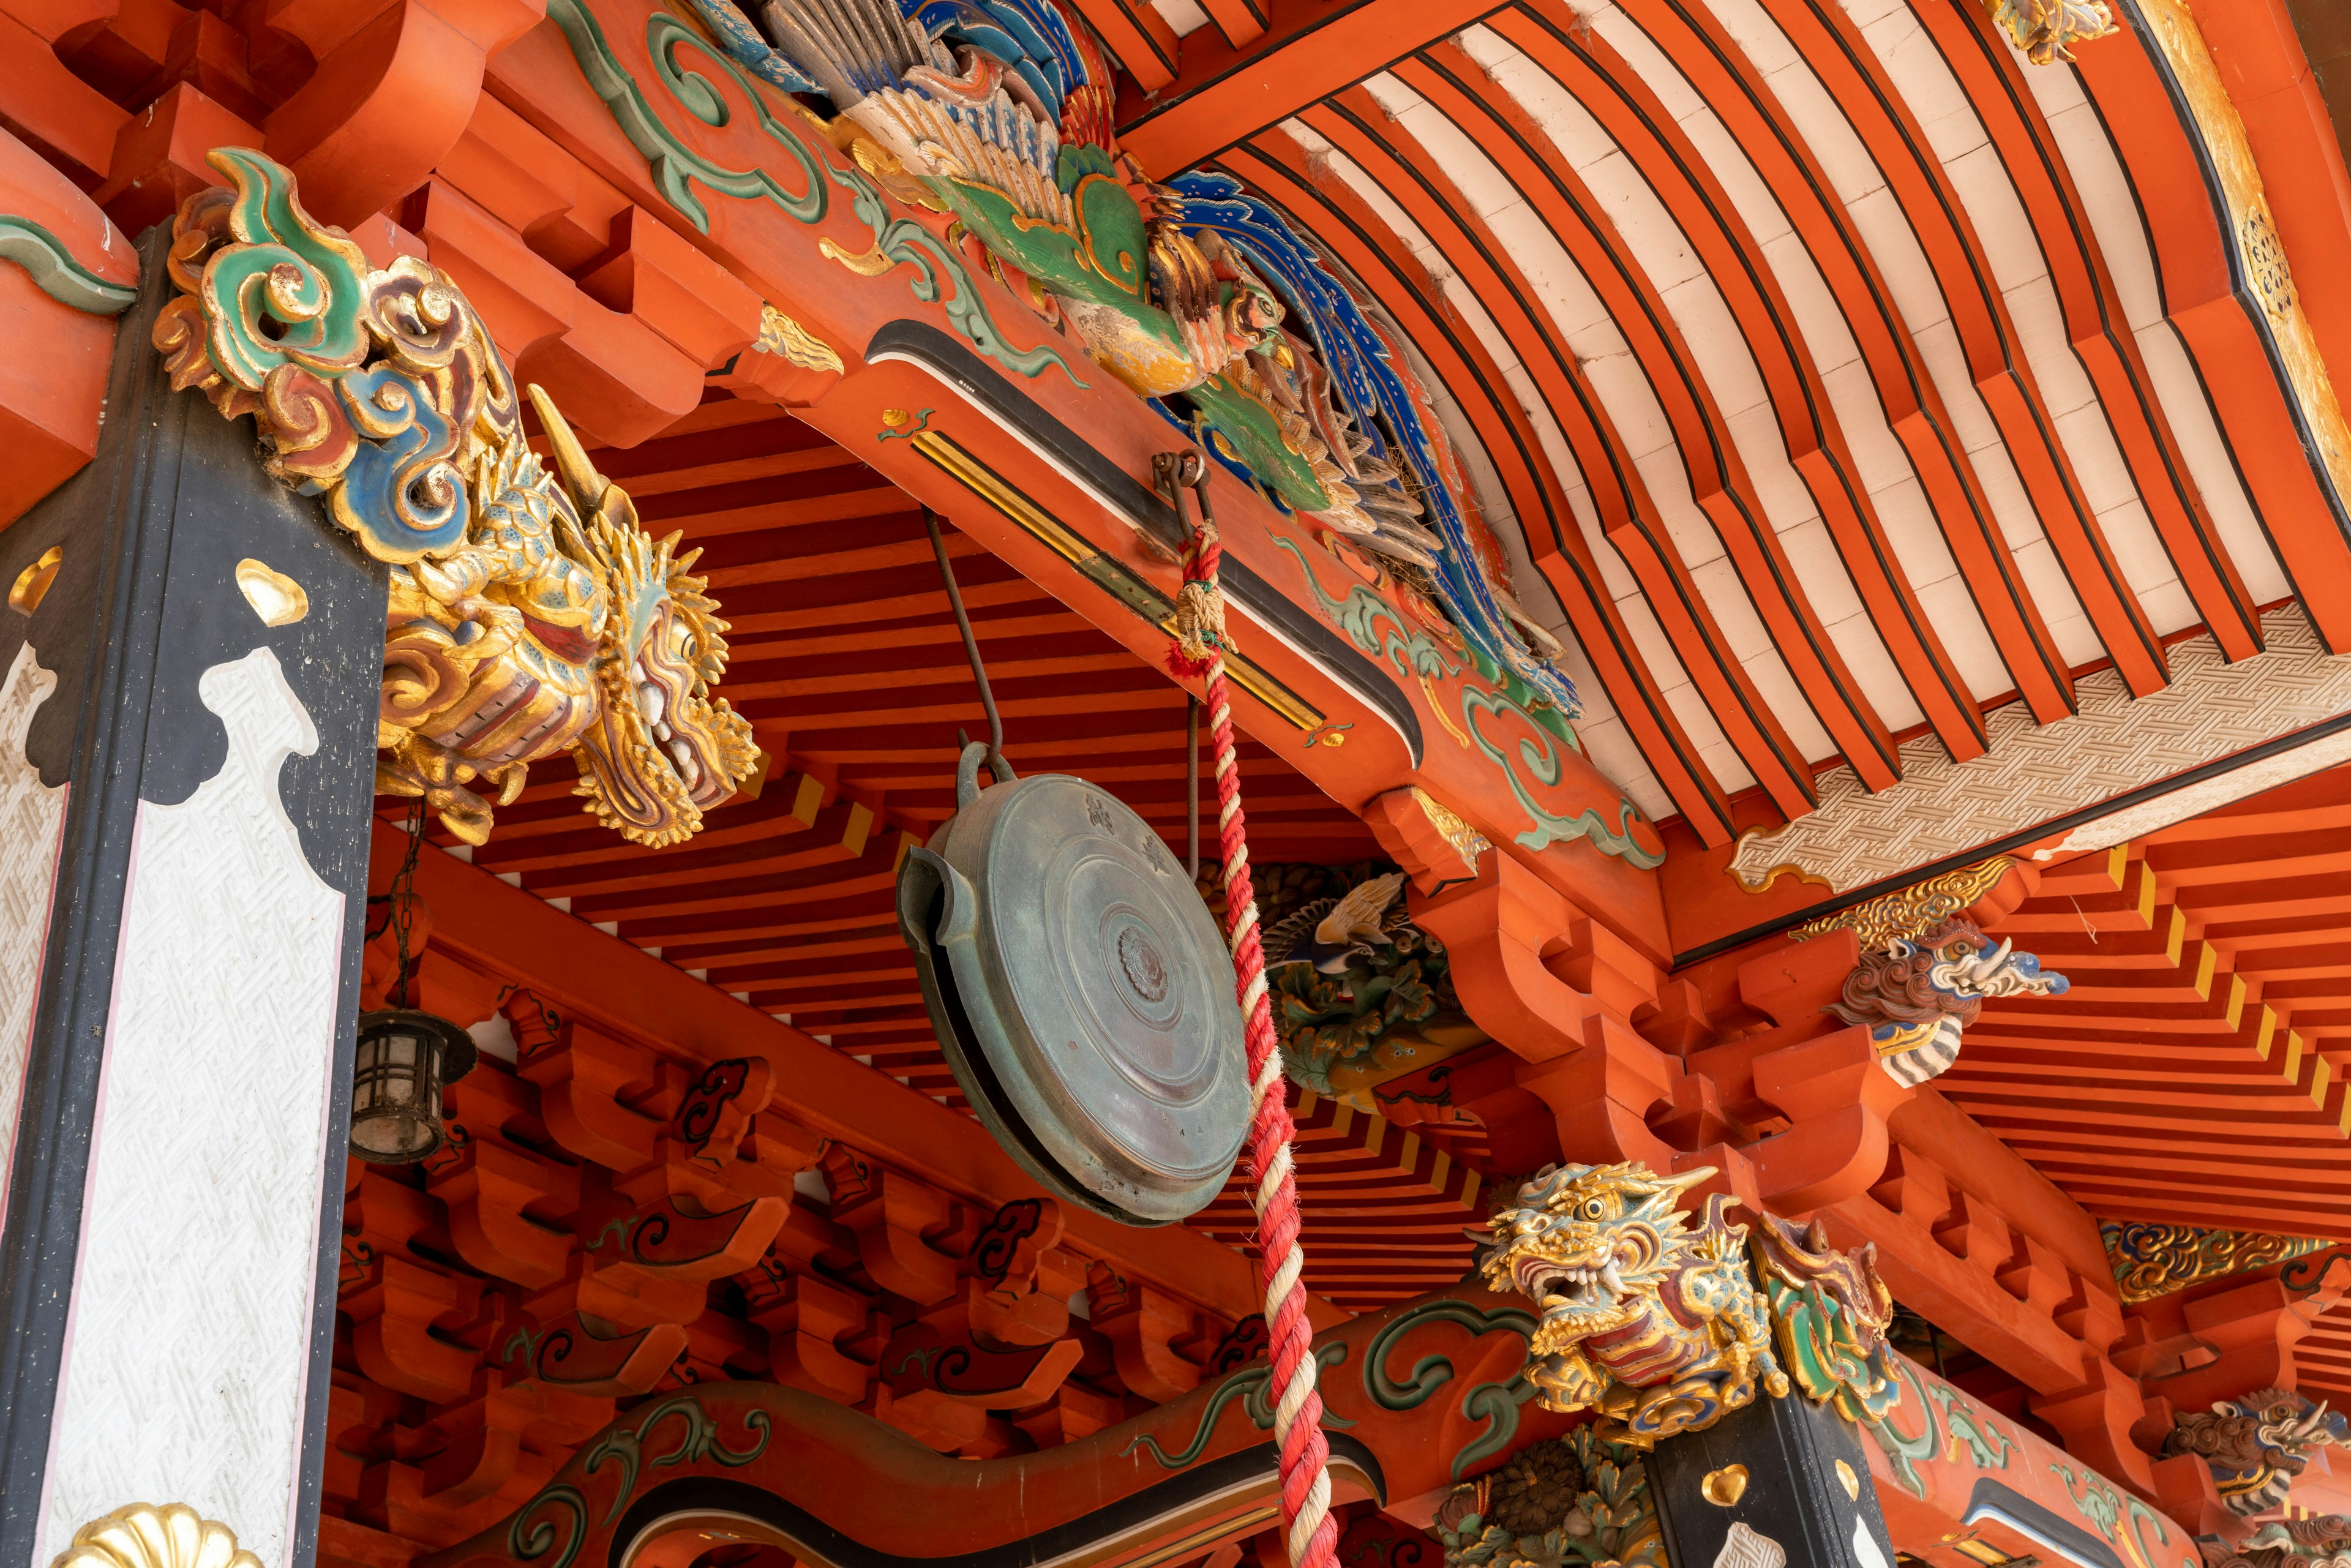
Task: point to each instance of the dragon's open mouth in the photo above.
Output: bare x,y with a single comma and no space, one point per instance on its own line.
1582,1289
654,707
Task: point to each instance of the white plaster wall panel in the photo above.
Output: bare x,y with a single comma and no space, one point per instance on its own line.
187,1346
32,829
1607,743
2119,228
1613,372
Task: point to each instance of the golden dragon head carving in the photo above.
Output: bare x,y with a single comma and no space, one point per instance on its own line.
529,614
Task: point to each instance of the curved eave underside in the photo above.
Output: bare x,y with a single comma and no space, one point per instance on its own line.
1830,374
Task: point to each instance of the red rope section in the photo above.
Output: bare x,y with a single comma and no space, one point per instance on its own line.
1199,652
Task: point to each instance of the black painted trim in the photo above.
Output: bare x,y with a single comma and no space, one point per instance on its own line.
695,1493
143,604
1992,1497
1330,653
2023,836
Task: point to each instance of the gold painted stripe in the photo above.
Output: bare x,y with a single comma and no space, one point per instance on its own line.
1057,535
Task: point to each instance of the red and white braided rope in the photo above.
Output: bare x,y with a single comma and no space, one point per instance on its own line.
1313,1535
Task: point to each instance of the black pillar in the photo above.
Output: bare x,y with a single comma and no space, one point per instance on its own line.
190,868
1792,1473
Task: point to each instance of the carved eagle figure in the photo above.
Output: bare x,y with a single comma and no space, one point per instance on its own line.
1333,933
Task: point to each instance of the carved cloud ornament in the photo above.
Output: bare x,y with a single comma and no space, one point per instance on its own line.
530,616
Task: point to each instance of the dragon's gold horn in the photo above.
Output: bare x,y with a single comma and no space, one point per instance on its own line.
1693,1176
579,475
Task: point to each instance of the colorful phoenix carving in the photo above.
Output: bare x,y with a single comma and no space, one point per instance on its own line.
1658,1327
1193,292
1919,994
2256,1444
1832,1311
529,614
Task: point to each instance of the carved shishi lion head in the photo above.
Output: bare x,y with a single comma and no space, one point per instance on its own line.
1920,993
2256,1444
1589,1245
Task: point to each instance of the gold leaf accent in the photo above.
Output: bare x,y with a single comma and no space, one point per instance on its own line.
142,1535
1908,911
277,598
779,334
1467,841
1847,1480
871,264
32,584
1726,1486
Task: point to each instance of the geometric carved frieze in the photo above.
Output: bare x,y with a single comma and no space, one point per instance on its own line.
2112,747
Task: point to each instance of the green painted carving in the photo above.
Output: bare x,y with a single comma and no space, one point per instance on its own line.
677,167
1578,1502
903,241
1494,1403
1988,1446
55,273
1904,1453
2098,1502
1253,1386
1373,625
697,1442
528,1541
309,281
1539,757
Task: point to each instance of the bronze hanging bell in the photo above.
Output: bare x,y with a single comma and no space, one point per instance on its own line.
1080,991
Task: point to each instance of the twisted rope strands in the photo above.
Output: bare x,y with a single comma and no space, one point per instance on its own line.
1313,1535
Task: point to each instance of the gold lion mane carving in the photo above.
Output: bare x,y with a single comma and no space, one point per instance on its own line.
1658,1327
530,615
142,1535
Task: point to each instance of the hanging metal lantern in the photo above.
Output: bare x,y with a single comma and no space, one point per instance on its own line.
405,1059
1081,992
406,1056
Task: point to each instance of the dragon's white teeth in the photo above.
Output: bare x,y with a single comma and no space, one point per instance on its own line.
650,703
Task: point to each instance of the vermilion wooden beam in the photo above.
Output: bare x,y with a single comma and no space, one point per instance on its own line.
584,971
1222,95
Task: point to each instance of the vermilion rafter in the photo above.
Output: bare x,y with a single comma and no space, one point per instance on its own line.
1639,124
1450,81
1411,176
1276,167
1724,77
1987,68
1223,95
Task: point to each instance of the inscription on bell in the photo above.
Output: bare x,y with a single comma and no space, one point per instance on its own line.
1098,813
